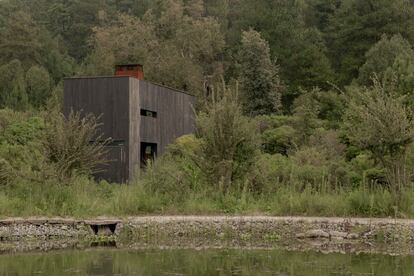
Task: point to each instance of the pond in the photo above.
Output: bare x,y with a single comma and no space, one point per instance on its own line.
104,261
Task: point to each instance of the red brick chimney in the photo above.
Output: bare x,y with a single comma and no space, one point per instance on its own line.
132,70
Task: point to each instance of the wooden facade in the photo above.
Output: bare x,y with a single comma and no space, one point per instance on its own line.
140,117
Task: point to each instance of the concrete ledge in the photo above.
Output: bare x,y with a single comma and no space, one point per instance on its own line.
391,236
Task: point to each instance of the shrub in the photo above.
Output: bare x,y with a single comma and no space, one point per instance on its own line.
378,121
278,140
266,122
21,155
229,142
270,173
72,144
186,145
174,176
328,141
23,132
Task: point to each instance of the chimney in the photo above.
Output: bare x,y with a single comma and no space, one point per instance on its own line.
132,70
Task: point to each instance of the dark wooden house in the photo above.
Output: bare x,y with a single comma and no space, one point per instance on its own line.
140,117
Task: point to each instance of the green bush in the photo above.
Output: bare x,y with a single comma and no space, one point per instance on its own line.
175,176
270,173
266,122
229,140
278,140
73,144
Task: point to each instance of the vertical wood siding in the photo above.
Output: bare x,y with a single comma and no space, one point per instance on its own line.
107,97
134,126
174,114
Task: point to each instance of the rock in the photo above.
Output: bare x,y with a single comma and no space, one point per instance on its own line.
352,236
367,234
312,234
338,234
300,235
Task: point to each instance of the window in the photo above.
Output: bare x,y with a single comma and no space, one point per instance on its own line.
148,153
148,113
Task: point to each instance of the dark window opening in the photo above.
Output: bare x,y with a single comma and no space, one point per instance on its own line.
148,153
148,113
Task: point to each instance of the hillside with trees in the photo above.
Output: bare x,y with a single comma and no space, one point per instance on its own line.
303,107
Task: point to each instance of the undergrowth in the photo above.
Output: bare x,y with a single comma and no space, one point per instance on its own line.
86,198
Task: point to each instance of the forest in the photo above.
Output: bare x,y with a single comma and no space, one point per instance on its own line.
304,107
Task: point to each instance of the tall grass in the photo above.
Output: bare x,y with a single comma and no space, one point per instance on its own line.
86,198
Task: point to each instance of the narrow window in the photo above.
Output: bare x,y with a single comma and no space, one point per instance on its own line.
148,113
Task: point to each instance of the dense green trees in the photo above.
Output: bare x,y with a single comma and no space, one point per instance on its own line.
177,49
32,62
190,44
355,26
383,58
309,113
298,48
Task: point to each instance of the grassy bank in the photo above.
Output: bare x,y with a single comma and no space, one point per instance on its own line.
86,198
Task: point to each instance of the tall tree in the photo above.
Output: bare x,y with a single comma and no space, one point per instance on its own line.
74,21
38,86
299,49
381,57
12,86
229,140
133,7
20,39
23,39
319,12
176,49
377,120
195,8
259,79
392,60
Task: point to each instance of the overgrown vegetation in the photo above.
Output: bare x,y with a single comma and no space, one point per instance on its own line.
304,107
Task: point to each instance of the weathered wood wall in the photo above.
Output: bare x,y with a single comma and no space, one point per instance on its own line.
134,126
174,114
107,97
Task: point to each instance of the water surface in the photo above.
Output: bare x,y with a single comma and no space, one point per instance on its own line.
201,262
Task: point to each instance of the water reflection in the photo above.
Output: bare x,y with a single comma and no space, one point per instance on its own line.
203,262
